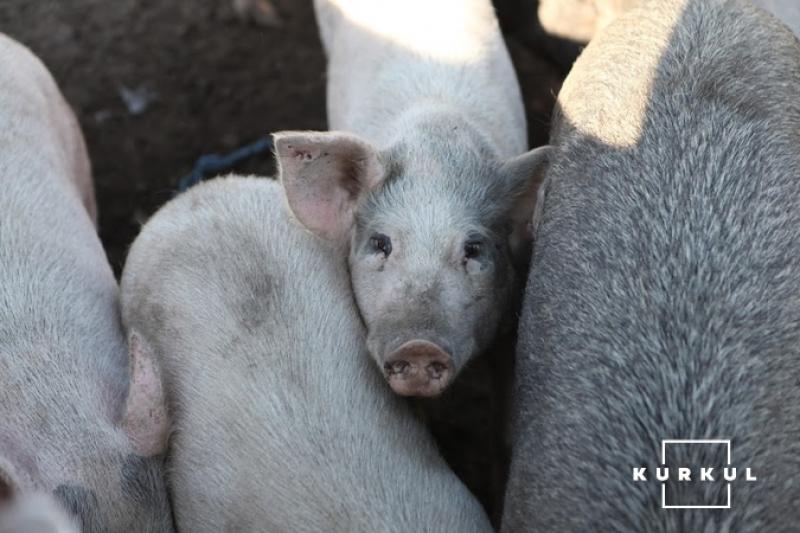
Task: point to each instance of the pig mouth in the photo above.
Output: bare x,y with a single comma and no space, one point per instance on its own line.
419,368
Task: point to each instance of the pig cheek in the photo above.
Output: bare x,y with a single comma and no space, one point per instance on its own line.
481,310
376,285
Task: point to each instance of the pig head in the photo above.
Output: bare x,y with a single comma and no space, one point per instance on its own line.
433,230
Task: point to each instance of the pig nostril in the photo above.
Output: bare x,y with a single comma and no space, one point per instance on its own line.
398,367
436,370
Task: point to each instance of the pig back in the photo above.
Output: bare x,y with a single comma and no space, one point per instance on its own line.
662,297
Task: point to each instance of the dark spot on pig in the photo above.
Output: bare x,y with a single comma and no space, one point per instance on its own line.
82,504
143,483
141,478
255,305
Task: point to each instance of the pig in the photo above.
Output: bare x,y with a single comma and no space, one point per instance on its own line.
579,20
279,421
423,182
79,414
35,513
662,299
559,29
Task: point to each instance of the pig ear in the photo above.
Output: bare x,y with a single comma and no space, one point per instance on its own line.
145,419
525,174
324,175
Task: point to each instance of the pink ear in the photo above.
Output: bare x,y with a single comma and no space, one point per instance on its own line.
145,420
324,175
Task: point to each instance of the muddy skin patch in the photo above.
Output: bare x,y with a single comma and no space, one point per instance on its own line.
141,479
255,306
143,483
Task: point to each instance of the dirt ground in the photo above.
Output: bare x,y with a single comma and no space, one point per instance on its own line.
200,80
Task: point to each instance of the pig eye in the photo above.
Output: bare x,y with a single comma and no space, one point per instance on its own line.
472,249
381,243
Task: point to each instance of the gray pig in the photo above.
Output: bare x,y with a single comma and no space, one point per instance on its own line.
664,295
423,184
70,423
280,422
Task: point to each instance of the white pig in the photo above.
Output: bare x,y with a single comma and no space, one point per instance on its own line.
70,424
421,182
280,422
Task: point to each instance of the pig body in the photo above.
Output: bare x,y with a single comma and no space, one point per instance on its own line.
663,295
280,423
64,367
422,183
394,66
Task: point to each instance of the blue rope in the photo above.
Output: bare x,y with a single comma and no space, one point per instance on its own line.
212,164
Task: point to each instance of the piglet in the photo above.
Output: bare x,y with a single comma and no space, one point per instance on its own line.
81,417
423,182
280,422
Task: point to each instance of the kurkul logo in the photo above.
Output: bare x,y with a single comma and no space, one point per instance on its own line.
683,474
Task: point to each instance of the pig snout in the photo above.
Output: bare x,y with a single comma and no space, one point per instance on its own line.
419,368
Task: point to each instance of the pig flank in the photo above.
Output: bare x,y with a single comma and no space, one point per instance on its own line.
663,295
281,423
420,183
64,366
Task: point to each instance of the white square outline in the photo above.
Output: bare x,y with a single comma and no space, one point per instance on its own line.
726,442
